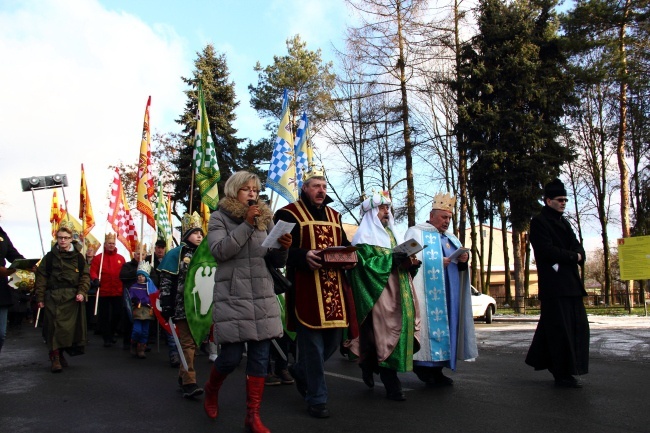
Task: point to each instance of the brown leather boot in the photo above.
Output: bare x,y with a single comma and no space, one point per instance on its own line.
254,392
62,360
56,362
211,388
140,350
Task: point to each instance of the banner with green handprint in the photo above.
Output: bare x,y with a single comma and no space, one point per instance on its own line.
199,285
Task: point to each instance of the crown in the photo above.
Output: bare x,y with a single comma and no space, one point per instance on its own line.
70,225
444,201
144,266
139,245
110,237
313,172
193,221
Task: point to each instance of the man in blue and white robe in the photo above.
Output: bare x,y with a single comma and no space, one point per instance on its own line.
443,290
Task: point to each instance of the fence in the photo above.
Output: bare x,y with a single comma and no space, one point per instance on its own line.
617,301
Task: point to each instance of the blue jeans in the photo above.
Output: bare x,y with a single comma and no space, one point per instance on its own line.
257,357
140,331
315,346
4,311
171,344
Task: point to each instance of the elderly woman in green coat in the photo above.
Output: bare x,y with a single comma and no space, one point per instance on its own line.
246,312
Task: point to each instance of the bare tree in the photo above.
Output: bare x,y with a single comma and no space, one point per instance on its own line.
390,40
362,131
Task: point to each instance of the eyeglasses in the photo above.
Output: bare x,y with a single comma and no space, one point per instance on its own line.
561,200
64,238
247,190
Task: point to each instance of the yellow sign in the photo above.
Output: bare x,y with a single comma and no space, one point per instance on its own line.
634,258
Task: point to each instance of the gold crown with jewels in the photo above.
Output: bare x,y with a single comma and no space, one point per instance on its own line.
444,201
139,245
193,221
313,172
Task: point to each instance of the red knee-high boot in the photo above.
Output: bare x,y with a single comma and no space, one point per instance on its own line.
254,391
211,388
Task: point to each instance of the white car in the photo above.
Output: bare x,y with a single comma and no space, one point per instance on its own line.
483,305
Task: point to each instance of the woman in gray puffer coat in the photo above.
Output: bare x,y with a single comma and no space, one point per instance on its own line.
246,312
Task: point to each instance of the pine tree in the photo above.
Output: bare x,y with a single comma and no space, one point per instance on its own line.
308,79
515,88
219,93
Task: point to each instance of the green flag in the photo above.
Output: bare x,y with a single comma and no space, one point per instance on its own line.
205,157
199,286
163,225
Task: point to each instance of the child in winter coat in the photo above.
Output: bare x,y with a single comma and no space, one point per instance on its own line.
141,308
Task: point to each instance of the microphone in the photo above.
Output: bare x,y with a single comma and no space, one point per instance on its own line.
253,203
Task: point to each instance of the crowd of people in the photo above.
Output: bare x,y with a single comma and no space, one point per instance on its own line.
392,311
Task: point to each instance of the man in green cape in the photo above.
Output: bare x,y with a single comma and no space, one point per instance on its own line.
385,303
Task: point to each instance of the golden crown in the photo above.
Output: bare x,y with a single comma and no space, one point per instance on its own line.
444,201
193,221
313,172
138,245
70,225
110,237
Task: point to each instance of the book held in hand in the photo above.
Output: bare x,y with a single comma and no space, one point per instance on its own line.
409,247
456,254
26,264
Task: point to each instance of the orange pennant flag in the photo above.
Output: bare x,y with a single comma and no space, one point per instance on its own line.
55,214
85,209
145,188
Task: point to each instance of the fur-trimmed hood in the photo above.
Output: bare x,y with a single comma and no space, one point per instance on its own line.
237,211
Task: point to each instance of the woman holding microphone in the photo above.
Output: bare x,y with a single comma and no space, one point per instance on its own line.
246,312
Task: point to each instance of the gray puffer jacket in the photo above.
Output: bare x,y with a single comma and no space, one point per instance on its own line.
245,306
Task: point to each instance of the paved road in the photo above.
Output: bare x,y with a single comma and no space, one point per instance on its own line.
616,337
108,391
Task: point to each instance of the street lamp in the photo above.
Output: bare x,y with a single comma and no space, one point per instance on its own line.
44,182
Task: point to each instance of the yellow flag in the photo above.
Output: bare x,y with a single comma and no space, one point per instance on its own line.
85,209
55,213
145,187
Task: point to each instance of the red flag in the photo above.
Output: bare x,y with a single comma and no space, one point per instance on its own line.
145,189
120,217
85,209
55,214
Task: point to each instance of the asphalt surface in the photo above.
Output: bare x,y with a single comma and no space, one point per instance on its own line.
106,390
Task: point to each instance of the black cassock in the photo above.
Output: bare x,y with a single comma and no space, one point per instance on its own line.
561,341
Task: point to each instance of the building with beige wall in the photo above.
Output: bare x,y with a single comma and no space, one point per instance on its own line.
497,274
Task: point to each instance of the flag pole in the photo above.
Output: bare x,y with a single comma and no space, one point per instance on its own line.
142,217
191,192
65,201
101,265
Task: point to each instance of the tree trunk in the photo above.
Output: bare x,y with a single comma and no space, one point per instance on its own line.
519,305
506,254
488,274
526,238
474,276
462,153
408,146
620,145
481,255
